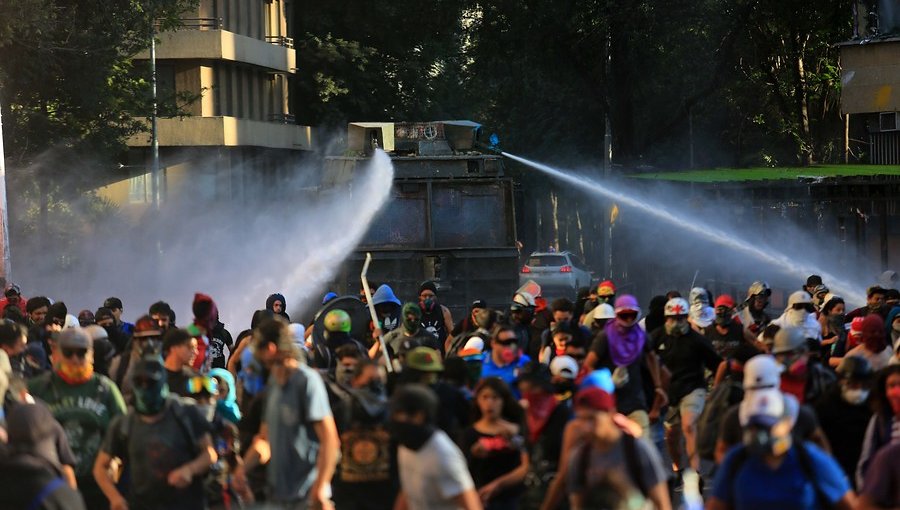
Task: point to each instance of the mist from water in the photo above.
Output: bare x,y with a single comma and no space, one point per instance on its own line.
291,241
796,264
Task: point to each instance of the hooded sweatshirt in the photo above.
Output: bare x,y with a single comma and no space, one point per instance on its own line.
893,334
800,318
226,405
270,303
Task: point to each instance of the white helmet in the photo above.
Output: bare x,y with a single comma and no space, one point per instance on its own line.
564,366
676,306
524,299
757,288
603,311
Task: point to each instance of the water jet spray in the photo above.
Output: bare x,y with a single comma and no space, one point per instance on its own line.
696,226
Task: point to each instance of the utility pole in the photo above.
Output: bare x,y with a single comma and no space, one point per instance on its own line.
154,138
4,229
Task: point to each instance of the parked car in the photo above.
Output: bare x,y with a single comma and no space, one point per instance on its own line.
559,274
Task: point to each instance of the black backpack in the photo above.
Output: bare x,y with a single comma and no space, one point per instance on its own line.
728,393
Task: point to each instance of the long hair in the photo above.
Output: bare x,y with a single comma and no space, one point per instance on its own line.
879,393
511,410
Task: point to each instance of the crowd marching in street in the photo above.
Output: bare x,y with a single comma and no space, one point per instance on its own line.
599,403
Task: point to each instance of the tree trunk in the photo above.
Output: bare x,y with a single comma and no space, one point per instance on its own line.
802,105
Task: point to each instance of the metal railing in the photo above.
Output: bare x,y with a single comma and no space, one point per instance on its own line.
202,23
280,40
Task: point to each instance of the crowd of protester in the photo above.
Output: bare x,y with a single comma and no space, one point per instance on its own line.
593,404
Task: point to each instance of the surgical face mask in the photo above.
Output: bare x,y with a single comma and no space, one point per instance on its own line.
854,396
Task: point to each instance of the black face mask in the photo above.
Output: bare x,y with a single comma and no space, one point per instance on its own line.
410,435
562,388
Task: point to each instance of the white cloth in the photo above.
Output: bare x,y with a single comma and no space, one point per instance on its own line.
433,475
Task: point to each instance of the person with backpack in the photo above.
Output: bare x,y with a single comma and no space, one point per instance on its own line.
761,373
164,443
298,436
770,470
84,403
623,347
612,466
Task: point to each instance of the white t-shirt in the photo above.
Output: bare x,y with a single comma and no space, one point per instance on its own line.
435,474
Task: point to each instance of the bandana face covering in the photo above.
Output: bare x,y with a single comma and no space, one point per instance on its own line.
73,373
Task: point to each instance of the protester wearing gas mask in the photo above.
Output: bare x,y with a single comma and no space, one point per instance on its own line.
687,355
804,376
166,444
436,318
794,474
727,334
845,411
410,329
433,471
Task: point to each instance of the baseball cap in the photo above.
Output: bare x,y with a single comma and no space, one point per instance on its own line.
424,359
74,338
564,366
627,302
762,371
725,300
479,304
473,346
595,399
600,378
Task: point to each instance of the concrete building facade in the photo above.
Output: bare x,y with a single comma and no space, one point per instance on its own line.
235,59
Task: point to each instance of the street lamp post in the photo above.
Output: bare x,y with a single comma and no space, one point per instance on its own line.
154,135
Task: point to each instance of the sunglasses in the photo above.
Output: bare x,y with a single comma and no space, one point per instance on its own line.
507,341
803,306
200,384
627,316
68,352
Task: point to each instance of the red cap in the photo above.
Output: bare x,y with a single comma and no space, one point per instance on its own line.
595,399
724,300
856,325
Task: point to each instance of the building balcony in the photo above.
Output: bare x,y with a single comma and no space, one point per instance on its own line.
204,44
227,132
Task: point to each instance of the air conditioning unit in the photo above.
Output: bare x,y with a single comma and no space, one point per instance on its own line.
889,121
